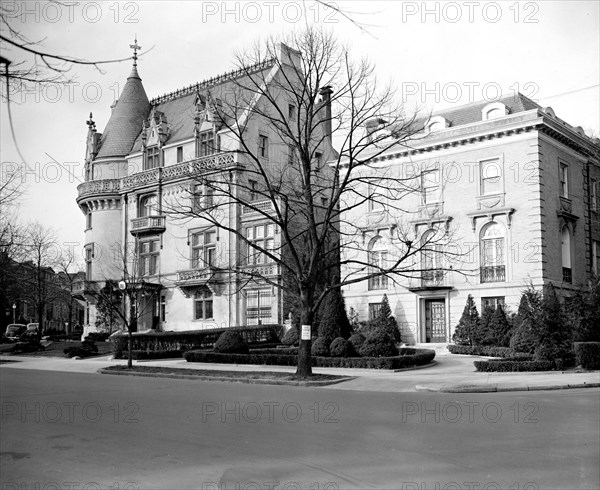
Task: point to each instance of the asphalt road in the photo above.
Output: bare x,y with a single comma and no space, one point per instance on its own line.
88,431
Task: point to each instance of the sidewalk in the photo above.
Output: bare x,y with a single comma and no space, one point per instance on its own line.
449,373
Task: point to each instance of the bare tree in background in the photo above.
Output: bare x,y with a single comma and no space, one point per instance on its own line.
301,185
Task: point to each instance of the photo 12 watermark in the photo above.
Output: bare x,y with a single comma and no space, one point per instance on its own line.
271,412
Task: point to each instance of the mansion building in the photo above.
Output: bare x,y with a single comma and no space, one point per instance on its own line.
151,174
505,196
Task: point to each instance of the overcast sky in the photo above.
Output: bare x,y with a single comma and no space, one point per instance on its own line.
438,54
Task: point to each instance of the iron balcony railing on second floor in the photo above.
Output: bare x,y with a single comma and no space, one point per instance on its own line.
148,224
432,278
493,273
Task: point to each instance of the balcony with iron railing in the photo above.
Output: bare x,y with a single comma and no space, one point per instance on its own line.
257,207
151,177
494,273
196,277
148,225
432,278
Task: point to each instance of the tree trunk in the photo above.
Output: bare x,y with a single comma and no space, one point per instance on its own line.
130,349
304,369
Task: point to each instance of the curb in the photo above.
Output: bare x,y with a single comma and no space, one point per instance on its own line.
500,389
221,378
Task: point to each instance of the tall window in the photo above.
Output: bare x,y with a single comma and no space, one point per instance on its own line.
292,159
147,206
203,305
204,249
291,112
263,146
377,260
565,245
258,306
88,220
430,185
263,236
596,257
564,180
374,190
148,253
374,309
179,154
152,158
490,173
492,302
207,143
89,256
432,273
203,197
253,189
491,249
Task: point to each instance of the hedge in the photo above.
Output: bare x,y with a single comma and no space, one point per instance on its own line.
152,354
587,355
513,366
193,339
484,350
409,357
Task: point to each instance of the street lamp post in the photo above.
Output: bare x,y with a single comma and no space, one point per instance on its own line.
14,312
123,286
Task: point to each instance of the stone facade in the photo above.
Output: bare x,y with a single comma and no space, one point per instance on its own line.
507,187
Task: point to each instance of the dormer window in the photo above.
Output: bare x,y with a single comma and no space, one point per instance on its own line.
436,123
207,143
494,111
152,158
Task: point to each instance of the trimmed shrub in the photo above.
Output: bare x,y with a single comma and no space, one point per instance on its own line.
554,337
231,342
320,347
587,355
409,357
583,312
157,354
97,336
87,349
356,341
467,325
195,339
513,366
480,336
483,350
291,337
334,321
378,344
498,329
340,347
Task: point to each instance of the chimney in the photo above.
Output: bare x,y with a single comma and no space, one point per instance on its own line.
325,93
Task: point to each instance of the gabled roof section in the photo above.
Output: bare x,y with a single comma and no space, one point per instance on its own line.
179,106
125,122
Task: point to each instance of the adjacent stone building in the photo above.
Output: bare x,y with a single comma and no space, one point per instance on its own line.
505,195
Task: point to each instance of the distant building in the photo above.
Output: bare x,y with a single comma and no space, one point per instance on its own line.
153,153
513,192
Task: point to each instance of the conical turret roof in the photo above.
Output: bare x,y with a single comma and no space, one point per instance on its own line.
126,120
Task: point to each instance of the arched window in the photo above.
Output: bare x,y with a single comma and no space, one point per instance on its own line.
431,260
492,257
493,111
148,206
565,246
377,259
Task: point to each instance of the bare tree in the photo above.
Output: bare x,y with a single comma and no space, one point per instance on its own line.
300,184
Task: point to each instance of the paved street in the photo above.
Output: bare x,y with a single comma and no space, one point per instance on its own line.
79,430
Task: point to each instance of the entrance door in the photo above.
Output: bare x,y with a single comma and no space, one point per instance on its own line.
435,320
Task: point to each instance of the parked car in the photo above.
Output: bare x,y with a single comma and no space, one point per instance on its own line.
14,331
33,327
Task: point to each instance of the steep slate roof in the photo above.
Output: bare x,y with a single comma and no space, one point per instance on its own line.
125,122
471,113
179,108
